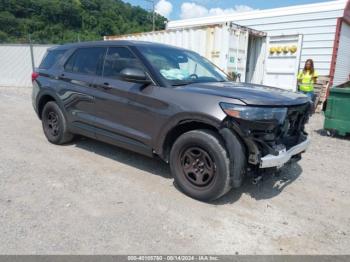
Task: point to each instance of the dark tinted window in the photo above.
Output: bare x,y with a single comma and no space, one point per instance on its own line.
117,59
51,58
86,61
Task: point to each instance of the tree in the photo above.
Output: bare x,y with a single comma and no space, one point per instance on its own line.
56,21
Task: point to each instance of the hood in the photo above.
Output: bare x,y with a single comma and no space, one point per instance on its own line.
248,93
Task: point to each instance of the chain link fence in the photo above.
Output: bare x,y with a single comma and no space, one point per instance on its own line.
17,62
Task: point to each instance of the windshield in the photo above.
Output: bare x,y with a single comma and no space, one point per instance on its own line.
181,67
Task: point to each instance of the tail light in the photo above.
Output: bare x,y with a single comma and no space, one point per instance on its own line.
35,75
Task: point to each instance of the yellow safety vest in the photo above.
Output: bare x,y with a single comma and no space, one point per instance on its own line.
307,81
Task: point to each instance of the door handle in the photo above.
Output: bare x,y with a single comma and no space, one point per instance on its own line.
106,86
61,76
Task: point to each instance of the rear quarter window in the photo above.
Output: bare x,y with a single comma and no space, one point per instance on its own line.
51,58
86,61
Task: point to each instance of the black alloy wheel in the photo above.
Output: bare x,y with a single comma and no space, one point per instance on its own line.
198,166
54,124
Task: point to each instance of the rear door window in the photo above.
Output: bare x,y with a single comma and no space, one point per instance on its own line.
51,58
86,61
117,59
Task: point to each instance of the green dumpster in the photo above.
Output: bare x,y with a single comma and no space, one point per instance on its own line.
337,116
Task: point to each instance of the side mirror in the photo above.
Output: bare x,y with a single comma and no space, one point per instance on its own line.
134,75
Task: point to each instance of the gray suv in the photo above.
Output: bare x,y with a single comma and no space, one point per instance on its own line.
171,103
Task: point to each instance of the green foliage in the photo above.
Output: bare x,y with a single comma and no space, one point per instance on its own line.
62,21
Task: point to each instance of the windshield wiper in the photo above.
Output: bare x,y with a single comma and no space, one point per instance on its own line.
195,82
184,83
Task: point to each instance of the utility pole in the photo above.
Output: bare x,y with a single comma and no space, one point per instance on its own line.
153,13
31,52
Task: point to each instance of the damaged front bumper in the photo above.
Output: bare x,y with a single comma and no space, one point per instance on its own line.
284,155
270,144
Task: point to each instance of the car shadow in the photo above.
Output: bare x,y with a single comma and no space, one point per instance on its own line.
152,165
330,134
270,186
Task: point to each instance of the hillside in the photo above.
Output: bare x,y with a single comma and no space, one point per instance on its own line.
57,21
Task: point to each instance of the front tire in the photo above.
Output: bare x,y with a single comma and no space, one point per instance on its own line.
200,165
54,124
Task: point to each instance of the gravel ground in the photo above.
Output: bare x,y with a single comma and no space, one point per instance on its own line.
92,198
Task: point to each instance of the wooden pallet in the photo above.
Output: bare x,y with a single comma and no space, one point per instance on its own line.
321,90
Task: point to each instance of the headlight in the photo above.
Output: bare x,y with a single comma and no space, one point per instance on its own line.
255,113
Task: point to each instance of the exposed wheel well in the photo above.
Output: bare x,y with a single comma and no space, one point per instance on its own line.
42,102
181,129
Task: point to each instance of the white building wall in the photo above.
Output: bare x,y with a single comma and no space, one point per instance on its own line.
342,67
16,64
317,22
319,34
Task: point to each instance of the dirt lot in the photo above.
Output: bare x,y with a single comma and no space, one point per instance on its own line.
92,198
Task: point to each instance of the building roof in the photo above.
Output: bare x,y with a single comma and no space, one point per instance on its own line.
275,12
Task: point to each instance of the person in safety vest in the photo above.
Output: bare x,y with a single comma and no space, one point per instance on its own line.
307,78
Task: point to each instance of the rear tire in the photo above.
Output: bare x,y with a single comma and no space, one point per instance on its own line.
54,124
200,165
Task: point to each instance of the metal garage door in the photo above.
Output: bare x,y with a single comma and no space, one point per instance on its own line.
342,67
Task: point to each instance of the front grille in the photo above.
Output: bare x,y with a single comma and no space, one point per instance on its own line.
294,124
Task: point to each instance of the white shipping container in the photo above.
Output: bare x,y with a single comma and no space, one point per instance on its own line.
282,61
236,49
318,23
225,45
